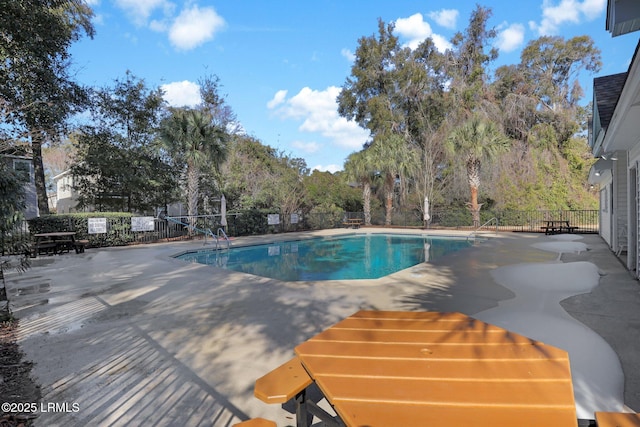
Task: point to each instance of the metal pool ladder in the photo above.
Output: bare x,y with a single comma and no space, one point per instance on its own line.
475,232
216,237
221,231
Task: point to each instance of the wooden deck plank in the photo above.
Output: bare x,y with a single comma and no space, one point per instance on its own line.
496,336
617,419
383,415
256,422
497,393
434,351
445,324
441,369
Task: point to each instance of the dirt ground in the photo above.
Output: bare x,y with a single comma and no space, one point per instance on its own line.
16,384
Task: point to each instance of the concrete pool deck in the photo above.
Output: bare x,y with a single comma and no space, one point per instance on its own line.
132,336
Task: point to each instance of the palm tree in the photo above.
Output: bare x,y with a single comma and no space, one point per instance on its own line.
358,169
394,159
476,140
191,138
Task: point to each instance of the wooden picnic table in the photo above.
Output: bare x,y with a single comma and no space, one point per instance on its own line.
352,222
388,368
57,242
558,226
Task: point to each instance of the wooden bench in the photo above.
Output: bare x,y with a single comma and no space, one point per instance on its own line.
352,222
80,245
47,247
64,246
288,381
256,422
283,383
617,419
558,226
550,229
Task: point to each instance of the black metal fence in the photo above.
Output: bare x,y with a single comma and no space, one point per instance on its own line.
119,230
587,221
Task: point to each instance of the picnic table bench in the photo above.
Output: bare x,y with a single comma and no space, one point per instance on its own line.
80,245
617,419
558,226
47,247
288,381
256,422
283,383
352,222
57,243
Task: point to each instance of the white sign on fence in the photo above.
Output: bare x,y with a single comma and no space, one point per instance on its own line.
142,223
294,218
273,219
97,225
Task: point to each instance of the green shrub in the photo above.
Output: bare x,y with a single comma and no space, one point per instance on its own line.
252,221
118,227
324,216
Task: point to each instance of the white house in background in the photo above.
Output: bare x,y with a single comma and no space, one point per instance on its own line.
23,165
66,200
610,170
615,140
66,196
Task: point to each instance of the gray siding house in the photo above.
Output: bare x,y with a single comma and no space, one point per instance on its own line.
615,141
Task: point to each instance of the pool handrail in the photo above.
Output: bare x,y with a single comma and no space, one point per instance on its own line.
208,232
221,231
475,232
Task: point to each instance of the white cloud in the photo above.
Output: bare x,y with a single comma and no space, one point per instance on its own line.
307,147
158,25
566,11
139,11
592,8
510,38
278,99
441,43
194,27
415,29
191,28
348,54
445,18
318,111
327,168
181,94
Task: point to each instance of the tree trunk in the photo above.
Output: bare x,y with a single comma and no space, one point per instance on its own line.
366,203
192,196
473,175
388,207
474,207
389,182
38,171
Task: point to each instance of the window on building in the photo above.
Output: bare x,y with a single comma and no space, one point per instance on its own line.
23,169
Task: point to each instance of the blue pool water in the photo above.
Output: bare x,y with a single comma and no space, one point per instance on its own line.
368,256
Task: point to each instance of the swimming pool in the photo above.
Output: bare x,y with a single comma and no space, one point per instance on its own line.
361,256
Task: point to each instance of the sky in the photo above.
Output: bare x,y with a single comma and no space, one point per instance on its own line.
282,63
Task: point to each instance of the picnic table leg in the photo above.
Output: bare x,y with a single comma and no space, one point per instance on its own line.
301,410
307,409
